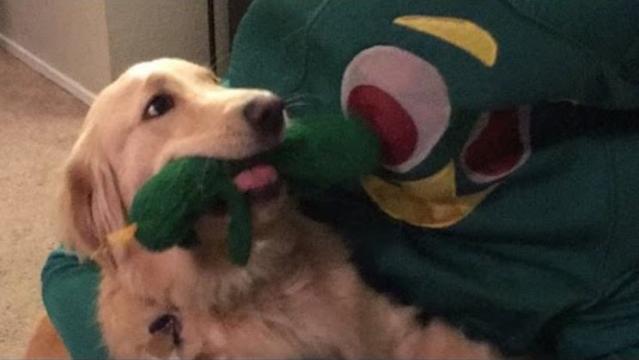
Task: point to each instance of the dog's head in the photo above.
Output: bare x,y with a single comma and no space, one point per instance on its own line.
155,112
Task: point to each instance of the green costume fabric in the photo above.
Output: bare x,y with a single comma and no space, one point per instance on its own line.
69,290
509,213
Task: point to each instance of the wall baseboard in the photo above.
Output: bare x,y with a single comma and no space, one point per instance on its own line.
50,72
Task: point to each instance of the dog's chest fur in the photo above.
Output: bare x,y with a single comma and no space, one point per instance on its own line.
298,297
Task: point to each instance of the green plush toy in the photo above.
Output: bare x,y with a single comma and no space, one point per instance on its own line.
320,152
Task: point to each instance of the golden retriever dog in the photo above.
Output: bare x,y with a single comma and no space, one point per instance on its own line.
298,296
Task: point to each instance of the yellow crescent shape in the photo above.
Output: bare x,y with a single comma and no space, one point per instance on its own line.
462,33
431,202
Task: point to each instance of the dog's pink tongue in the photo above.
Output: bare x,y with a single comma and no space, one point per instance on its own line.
256,177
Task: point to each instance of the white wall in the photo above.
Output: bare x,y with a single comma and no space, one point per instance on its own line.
146,29
84,44
61,37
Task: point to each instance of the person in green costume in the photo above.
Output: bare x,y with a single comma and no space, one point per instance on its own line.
507,203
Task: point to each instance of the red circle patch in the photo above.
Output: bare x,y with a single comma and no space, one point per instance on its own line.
499,145
392,123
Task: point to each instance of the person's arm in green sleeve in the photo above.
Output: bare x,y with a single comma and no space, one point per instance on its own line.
69,291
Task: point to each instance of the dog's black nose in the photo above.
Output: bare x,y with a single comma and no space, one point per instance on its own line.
266,115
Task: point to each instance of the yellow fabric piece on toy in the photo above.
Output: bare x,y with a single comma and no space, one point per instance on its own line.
431,202
122,238
462,33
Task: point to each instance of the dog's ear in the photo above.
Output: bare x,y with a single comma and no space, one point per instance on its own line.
92,207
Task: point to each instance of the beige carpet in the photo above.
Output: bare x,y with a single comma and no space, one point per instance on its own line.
38,124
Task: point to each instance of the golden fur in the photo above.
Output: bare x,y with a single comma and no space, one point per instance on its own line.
298,297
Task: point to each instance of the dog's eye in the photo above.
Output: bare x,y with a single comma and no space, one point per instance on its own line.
158,106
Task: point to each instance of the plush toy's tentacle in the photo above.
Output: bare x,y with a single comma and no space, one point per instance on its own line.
166,208
239,231
327,150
